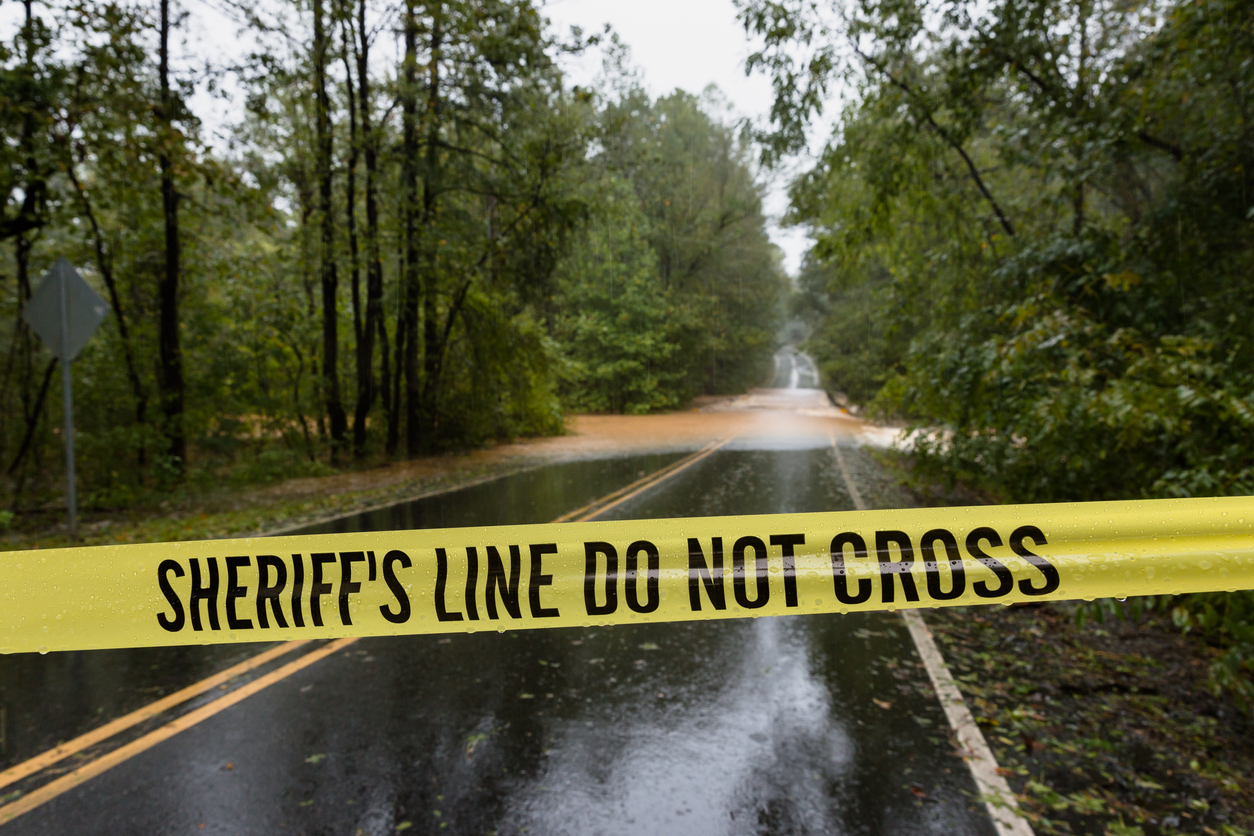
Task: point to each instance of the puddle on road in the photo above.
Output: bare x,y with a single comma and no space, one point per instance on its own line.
773,725
820,724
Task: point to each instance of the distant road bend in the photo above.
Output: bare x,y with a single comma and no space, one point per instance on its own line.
794,370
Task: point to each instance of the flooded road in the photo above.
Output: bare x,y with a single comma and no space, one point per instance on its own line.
821,724
794,370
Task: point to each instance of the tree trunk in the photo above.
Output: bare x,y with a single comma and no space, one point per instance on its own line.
330,279
31,217
394,384
408,326
366,388
170,367
392,380
431,261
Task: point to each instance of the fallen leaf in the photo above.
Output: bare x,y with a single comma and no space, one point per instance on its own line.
1029,743
405,825
917,792
885,704
318,758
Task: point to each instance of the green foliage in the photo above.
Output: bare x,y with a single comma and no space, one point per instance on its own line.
1228,621
849,329
1045,211
616,322
502,206
672,288
276,464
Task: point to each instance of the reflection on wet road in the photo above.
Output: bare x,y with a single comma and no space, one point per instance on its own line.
774,725
47,699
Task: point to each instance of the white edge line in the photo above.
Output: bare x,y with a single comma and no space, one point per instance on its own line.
998,800
995,792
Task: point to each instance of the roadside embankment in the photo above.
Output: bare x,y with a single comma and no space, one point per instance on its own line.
1103,728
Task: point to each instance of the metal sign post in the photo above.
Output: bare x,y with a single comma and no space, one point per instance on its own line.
64,311
67,395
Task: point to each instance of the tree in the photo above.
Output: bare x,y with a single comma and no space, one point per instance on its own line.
327,256
468,184
32,86
1050,203
618,323
170,374
703,207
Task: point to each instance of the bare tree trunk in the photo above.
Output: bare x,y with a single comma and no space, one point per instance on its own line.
384,377
374,265
366,388
430,205
170,367
25,345
1081,102
392,381
330,278
394,417
408,326
32,210
350,191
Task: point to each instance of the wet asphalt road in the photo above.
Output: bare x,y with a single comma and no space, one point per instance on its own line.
774,725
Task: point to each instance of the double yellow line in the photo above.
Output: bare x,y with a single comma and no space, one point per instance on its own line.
612,500
84,773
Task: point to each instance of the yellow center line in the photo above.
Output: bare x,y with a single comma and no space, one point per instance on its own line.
577,514
105,762
689,462
121,724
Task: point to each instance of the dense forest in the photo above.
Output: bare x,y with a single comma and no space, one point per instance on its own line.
1034,226
411,235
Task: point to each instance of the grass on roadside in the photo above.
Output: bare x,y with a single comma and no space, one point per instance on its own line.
231,512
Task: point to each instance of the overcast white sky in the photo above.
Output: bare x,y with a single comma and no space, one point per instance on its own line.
687,44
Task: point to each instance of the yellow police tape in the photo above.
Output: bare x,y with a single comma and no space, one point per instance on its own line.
602,573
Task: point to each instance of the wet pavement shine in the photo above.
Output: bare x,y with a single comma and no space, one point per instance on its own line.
785,725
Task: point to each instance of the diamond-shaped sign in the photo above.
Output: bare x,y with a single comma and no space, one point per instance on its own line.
84,310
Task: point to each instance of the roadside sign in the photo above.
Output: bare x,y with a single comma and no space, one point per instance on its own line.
84,311
64,311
